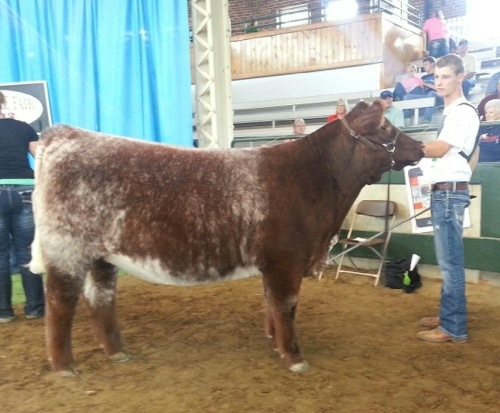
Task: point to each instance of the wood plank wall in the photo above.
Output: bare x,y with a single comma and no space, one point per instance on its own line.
365,39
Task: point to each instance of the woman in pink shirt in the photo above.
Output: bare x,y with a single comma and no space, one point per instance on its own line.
436,32
410,84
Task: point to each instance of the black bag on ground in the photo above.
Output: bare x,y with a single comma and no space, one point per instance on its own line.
399,276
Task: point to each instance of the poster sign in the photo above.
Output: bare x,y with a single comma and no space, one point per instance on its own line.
418,192
28,102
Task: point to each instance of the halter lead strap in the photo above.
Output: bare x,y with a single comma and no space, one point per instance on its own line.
390,146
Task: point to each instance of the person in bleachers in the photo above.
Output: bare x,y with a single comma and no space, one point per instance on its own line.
486,99
340,111
436,33
470,65
410,84
394,114
489,136
491,87
428,91
299,127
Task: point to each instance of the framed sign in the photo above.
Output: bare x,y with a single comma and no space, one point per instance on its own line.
28,102
418,192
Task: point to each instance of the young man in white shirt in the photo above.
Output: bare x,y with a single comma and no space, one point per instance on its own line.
450,177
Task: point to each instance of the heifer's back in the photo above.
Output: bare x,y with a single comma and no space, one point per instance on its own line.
167,214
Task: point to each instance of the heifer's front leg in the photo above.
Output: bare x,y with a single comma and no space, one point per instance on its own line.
99,293
269,326
61,297
282,295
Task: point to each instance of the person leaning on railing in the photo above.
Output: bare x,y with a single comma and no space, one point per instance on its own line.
17,227
436,33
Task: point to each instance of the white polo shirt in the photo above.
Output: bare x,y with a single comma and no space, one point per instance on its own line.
460,129
470,63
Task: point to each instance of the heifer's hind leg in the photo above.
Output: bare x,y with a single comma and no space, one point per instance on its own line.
61,297
281,295
99,293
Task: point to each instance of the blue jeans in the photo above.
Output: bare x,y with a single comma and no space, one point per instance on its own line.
400,91
429,111
16,234
438,48
447,219
467,85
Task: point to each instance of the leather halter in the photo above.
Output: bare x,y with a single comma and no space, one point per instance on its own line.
389,146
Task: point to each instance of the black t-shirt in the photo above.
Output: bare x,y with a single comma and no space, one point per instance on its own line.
15,137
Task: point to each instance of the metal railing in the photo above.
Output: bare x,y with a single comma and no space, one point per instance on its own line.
413,131
398,8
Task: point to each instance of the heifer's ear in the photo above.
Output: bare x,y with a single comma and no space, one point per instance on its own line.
357,110
369,120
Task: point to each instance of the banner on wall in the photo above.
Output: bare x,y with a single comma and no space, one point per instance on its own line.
28,102
418,192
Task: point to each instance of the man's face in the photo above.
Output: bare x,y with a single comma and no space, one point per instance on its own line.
447,81
428,67
387,102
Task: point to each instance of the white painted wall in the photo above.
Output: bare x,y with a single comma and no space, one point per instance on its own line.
298,85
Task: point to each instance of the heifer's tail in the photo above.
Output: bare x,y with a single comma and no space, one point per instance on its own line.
36,264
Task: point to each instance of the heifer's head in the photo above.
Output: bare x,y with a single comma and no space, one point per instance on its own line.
378,142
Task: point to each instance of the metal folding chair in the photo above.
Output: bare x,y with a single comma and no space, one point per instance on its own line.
368,211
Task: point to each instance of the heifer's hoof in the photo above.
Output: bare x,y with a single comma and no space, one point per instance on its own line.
301,367
68,373
120,357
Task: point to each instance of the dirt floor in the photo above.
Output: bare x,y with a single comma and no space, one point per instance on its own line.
202,349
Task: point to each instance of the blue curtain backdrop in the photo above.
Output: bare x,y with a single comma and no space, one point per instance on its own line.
120,67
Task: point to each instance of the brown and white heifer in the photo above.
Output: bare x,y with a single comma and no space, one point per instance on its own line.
192,216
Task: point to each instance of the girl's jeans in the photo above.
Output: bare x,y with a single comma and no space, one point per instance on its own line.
16,234
438,48
447,219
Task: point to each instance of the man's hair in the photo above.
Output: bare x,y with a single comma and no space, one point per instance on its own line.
429,59
453,61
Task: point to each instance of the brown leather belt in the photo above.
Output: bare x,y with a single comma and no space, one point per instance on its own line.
450,186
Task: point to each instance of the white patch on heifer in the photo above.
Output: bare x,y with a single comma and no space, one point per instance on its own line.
152,270
97,295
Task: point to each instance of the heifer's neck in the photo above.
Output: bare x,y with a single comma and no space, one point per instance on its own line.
347,161
341,164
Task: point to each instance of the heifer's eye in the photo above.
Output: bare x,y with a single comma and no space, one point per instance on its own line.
384,128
